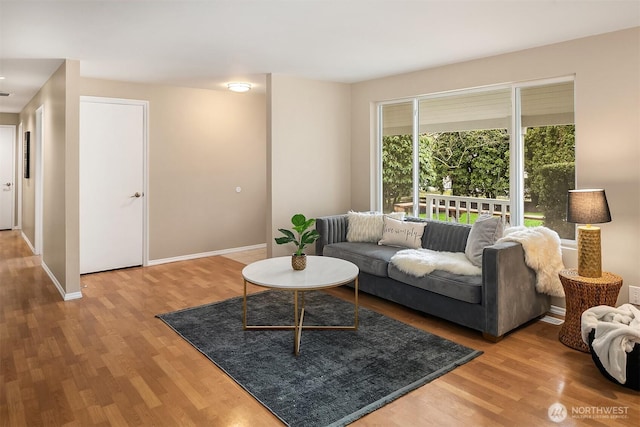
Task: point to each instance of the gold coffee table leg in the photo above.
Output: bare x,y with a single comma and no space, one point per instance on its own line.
298,320
244,307
296,328
298,317
355,323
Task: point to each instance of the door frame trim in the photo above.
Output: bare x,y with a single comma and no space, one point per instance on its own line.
38,243
145,161
19,183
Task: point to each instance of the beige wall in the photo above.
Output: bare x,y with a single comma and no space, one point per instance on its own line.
71,155
59,97
202,145
607,112
9,119
308,157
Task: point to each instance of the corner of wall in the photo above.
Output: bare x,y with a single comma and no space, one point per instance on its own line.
72,177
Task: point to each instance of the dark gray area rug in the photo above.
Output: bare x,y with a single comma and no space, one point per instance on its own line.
338,377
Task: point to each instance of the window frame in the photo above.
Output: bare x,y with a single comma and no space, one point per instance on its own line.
516,142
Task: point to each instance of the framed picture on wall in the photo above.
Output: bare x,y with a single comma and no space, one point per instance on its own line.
27,153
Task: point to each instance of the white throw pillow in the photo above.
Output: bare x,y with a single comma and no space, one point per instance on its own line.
367,226
485,232
406,234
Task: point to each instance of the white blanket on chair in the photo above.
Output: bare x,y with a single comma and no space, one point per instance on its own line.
542,253
419,262
617,332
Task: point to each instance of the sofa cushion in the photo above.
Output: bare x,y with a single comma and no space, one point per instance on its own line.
445,236
369,257
456,286
406,234
485,232
367,226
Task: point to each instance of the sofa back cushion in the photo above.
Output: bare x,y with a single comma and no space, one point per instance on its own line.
445,236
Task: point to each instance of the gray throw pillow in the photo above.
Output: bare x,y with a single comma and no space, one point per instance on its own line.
484,232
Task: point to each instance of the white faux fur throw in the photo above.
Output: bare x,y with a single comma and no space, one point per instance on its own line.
617,332
542,253
419,262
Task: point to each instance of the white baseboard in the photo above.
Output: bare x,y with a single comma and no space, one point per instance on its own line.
65,296
205,254
56,283
26,239
72,296
559,311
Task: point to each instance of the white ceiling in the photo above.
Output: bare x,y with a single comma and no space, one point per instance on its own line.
206,44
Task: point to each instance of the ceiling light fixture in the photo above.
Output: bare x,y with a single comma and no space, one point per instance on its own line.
239,87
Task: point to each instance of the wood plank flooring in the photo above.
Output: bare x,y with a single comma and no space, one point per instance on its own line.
106,360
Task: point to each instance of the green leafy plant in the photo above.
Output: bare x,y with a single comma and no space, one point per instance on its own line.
302,237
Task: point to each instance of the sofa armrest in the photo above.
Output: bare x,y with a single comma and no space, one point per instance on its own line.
509,291
332,229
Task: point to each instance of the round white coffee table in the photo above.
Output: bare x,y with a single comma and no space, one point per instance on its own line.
321,273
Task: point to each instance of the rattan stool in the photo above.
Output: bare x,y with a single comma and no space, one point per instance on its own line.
582,293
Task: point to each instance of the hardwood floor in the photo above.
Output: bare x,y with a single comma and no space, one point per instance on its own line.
106,360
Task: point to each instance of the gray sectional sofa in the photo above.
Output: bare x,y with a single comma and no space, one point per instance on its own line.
499,300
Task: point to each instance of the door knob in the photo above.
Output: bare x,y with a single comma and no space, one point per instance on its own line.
137,195
8,184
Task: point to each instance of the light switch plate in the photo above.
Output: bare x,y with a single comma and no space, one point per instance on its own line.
634,295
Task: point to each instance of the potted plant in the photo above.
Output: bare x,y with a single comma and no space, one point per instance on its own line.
301,238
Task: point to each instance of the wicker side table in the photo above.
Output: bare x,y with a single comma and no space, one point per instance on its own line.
582,293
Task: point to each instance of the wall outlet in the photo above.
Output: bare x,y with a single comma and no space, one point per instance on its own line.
634,295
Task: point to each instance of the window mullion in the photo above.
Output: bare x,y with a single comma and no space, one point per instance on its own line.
516,166
416,159
377,190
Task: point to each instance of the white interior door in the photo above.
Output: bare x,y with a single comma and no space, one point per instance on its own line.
7,176
112,184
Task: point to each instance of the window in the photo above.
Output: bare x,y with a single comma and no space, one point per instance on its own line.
548,137
453,156
397,157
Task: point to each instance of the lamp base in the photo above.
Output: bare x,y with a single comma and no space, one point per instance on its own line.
589,252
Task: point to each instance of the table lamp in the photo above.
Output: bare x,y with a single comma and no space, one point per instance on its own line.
588,207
